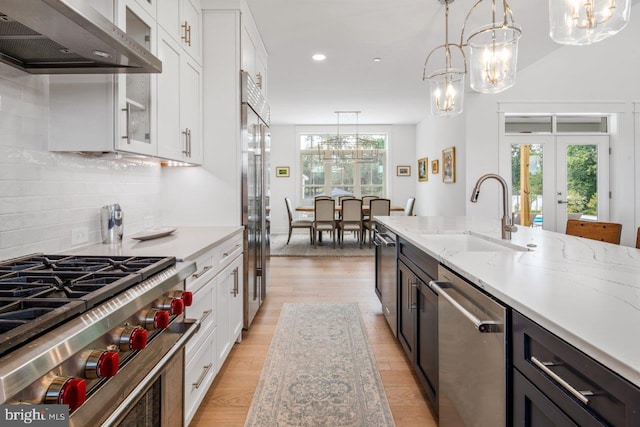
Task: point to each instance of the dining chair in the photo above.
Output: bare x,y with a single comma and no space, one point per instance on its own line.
322,198
299,223
638,239
408,208
324,219
351,219
377,207
603,231
365,202
341,198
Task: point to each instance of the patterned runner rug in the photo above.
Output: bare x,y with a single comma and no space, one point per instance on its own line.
320,371
300,246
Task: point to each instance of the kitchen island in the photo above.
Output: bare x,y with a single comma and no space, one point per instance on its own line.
585,292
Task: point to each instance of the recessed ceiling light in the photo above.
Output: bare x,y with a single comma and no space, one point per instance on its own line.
319,57
377,59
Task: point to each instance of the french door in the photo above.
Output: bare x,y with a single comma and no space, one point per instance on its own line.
557,177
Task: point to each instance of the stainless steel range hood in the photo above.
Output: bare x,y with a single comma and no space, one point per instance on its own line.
67,37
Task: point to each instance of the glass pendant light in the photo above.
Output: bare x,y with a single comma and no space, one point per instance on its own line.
493,51
580,22
446,84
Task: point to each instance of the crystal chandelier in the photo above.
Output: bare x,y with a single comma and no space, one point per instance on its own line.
580,22
493,50
446,84
348,148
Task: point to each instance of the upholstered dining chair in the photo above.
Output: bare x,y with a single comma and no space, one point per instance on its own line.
341,198
408,208
365,202
377,207
324,219
351,219
299,223
603,231
322,197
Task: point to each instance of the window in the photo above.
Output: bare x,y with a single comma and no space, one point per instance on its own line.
342,169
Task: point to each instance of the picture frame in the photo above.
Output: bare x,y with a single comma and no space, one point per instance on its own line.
403,170
422,169
282,171
435,166
449,165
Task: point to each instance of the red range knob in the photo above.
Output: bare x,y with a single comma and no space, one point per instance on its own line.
174,305
155,319
102,364
177,307
66,391
187,297
133,338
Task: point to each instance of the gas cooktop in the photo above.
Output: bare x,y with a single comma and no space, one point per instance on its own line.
39,292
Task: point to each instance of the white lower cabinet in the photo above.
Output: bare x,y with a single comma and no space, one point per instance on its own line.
218,304
199,372
229,308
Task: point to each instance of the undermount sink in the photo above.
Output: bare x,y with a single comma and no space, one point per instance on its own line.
470,243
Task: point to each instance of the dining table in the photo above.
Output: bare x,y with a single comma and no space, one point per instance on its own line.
338,208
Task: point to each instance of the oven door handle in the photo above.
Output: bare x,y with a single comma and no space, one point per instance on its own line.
121,411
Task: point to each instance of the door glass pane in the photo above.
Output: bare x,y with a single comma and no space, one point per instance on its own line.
139,85
527,191
582,182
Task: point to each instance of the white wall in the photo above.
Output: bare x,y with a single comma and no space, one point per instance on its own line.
434,197
43,195
598,74
286,152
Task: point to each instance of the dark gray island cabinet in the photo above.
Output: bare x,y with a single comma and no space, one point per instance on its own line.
548,383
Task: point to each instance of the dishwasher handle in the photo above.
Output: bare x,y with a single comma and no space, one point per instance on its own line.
483,326
382,239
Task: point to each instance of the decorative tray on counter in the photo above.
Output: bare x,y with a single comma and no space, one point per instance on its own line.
153,233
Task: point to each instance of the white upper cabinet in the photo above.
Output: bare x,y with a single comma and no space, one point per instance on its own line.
108,112
179,103
182,19
254,58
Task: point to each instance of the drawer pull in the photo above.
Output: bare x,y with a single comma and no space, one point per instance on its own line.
226,254
544,367
205,314
205,371
206,268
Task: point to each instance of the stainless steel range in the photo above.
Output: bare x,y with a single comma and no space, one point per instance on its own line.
103,335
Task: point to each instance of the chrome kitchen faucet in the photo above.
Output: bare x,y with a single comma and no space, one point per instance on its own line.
507,224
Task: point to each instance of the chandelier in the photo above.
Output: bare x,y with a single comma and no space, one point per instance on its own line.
493,50
580,22
348,148
446,84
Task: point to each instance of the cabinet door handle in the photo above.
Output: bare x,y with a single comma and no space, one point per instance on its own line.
205,314
544,367
201,272
236,290
127,114
226,254
187,33
205,371
185,132
259,80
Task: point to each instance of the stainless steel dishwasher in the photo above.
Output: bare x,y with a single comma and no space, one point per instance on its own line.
471,354
386,269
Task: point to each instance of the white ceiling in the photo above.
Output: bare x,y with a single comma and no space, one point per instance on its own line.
351,33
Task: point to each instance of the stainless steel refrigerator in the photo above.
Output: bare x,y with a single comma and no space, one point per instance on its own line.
255,196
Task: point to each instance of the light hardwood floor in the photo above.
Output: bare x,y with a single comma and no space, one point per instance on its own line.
347,279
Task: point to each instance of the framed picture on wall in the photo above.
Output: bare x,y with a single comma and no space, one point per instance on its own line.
422,169
435,166
449,165
403,170
282,171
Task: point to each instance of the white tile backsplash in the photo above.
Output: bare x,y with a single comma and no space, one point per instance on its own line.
44,195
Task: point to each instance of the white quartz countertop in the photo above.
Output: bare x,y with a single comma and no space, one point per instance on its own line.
584,291
186,243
